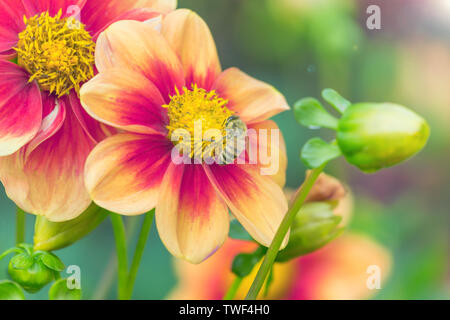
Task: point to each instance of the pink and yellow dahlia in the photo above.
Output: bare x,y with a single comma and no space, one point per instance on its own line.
153,81
45,135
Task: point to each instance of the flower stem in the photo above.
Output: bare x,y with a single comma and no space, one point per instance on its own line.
288,219
20,225
143,236
233,289
121,249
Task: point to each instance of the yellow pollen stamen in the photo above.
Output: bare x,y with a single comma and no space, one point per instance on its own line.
190,106
58,53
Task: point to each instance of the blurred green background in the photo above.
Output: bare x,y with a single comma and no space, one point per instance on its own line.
301,47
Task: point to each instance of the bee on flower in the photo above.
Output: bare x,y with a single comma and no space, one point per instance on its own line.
154,82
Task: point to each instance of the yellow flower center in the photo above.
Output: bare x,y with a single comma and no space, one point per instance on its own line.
190,109
58,53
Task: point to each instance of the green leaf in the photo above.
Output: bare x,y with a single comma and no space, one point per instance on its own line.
10,290
336,100
22,261
310,113
60,291
244,263
237,231
52,262
317,152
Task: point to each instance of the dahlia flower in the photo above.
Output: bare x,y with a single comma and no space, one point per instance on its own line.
45,135
152,82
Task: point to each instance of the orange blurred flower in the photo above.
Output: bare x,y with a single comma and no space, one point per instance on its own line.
337,271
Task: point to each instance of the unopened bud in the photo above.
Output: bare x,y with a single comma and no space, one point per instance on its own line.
314,226
33,270
373,136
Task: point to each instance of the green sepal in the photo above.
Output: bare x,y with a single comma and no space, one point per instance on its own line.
11,250
22,261
310,113
317,152
52,262
50,236
335,100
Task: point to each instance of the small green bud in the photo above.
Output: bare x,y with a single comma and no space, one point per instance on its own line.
52,236
373,136
33,269
32,279
10,290
60,291
315,225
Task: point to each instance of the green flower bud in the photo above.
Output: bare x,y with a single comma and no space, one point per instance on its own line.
373,136
10,290
52,236
314,226
32,279
60,291
33,269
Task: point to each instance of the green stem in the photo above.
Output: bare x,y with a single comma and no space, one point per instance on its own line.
142,241
288,219
233,289
20,226
121,249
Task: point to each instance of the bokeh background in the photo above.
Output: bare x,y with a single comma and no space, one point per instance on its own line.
301,47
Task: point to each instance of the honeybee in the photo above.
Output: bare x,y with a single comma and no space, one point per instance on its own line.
234,141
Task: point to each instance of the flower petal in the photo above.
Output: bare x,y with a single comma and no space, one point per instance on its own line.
97,14
68,7
255,200
123,172
191,39
54,114
20,108
126,100
137,46
251,99
11,23
192,220
49,181
136,14
267,144
97,131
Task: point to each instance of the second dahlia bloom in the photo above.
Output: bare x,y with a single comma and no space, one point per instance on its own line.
45,135
153,81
